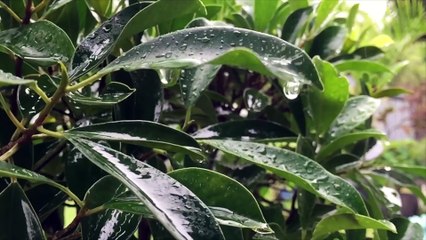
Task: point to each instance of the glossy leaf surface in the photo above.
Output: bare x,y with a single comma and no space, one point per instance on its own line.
329,42
390,92
18,219
133,19
295,23
220,45
144,133
355,112
217,190
110,223
262,13
244,130
344,140
325,8
8,79
41,41
362,66
345,221
325,105
254,100
114,93
178,209
301,170
411,169
406,230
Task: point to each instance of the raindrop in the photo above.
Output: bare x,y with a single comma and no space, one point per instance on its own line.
232,44
168,55
183,47
107,28
291,89
204,39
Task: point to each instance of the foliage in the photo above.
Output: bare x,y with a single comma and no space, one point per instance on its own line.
192,119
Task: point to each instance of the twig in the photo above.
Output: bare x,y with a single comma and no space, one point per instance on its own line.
71,227
10,11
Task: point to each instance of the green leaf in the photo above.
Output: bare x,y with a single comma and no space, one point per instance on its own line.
262,13
231,200
254,100
138,132
57,4
245,130
8,79
42,42
354,113
352,17
103,8
407,230
131,20
367,52
413,170
119,224
194,47
299,169
114,93
323,12
390,92
18,219
178,209
348,221
295,23
362,66
345,140
325,105
329,42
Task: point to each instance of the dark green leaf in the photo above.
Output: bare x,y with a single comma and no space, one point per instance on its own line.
178,209
323,12
244,130
57,4
42,42
301,170
138,132
325,105
295,23
355,112
367,52
8,79
18,219
232,201
329,42
407,230
413,170
133,19
194,47
390,92
347,221
262,13
362,66
110,223
344,140
254,100
114,93
30,103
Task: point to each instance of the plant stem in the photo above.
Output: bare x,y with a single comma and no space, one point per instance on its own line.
9,152
50,133
41,93
94,210
10,11
42,5
72,226
85,82
187,119
9,113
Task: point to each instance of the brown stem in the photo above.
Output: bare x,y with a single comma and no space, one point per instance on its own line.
67,232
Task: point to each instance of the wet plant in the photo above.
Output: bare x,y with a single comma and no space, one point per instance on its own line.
191,119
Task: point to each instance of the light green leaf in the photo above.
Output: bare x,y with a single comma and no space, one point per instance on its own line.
324,11
348,221
194,47
262,13
299,169
390,92
354,113
177,208
8,79
362,66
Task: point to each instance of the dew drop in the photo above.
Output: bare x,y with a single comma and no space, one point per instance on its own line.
291,89
107,28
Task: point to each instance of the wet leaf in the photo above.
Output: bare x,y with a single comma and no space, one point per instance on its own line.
194,47
110,223
8,79
406,230
301,170
254,100
344,140
178,209
354,113
42,42
361,66
232,202
139,132
329,42
245,130
18,219
114,93
325,105
134,19
348,221
295,23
